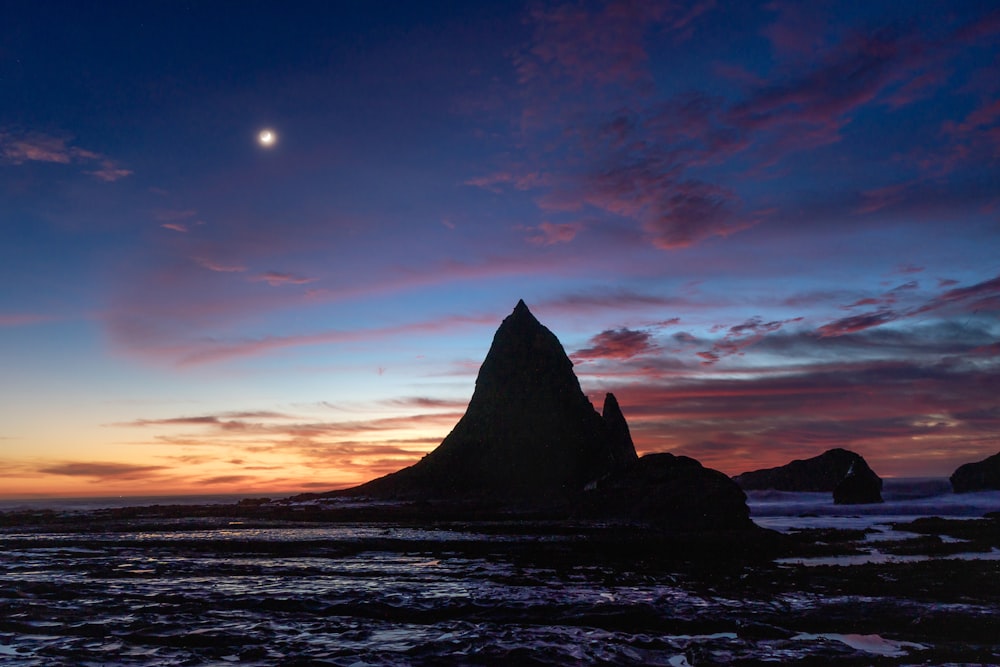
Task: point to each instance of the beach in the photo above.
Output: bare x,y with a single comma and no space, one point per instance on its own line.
188,585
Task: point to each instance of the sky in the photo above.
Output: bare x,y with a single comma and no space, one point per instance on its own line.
770,228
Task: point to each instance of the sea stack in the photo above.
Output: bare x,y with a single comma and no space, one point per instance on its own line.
979,476
529,435
842,472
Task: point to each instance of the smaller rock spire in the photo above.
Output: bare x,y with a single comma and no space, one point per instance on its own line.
622,448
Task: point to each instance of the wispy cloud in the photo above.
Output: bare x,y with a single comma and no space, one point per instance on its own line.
20,148
277,279
741,336
856,323
547,233
193,352
219,267
621,343
102,470
178,220
109,172
981,298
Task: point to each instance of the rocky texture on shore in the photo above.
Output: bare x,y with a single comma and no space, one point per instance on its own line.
669,491
842,472
233,589
979,476
531,439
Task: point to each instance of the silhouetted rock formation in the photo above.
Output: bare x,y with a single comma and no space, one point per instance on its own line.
531,439
861,487
843,472
622,449
529,432
979,476
670,491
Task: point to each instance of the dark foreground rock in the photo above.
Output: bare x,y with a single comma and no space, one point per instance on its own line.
979,476
842,472
674,492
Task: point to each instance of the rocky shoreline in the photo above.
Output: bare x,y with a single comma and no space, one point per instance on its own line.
493,583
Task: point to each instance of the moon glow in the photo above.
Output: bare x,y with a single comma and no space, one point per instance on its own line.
267,138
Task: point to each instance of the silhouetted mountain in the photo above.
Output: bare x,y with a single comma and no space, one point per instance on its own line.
528,434
843,472
531,439
979,476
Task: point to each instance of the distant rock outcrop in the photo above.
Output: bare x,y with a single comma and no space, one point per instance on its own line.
979,476
529,433
840,471
668,491
861,487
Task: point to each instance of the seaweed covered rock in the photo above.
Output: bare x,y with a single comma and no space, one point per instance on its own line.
667,491
979,476
840,471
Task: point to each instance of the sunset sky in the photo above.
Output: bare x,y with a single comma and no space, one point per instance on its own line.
770,228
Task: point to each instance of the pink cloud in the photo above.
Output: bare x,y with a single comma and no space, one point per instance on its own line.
879,198
934,413
175,226
277,279
20,148
109,172
203,351
617,344
548,233
918,87
219,267
586,303
741,336
983,297
856,323
34,148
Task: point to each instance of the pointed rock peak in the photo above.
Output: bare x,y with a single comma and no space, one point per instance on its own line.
611,405
622,448
521,312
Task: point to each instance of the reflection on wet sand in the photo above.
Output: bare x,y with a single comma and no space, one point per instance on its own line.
254,593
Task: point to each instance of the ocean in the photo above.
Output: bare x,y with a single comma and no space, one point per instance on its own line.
244,593
107,502
905,499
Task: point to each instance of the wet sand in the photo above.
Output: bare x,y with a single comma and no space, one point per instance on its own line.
258,585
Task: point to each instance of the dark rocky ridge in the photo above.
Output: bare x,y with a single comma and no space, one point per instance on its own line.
979,476
529,433
668,491
840,471
531,439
